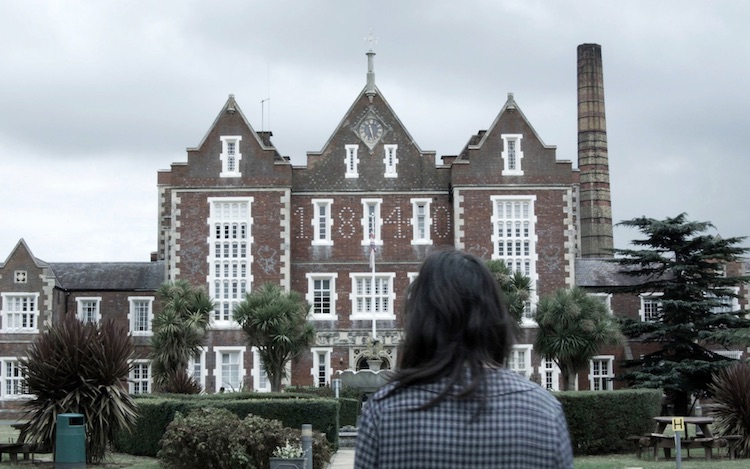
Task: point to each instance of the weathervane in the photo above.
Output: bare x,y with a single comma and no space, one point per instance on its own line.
372,40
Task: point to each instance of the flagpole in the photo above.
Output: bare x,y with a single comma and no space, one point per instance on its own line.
372,285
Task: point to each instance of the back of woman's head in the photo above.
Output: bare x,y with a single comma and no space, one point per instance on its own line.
455,317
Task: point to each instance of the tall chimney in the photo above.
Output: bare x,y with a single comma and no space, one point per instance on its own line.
593,162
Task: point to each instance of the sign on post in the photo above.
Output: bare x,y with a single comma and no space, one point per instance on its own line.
678,424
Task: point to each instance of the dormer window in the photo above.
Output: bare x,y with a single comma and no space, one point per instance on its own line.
512,154
230,156
390,161
351,161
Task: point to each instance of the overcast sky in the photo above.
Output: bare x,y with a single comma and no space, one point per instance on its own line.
96,97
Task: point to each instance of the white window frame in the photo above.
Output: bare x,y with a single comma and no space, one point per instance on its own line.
311,278
230,258
133,381
390,160
316,352
417,237
14,382
508,169
149,315
605,379
322,223
732,303
605,298
351,161
202,371
12,318
260,376
227,160
219,373
651,298
514,361
733,354
20,276
516,234
361,312
549,369
371,209
97,300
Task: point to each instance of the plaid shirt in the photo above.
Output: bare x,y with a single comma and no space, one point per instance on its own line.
520,425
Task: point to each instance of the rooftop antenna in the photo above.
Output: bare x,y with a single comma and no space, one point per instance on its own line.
263,102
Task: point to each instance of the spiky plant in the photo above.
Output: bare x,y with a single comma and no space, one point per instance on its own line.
80,368
515,285
731,395
179,329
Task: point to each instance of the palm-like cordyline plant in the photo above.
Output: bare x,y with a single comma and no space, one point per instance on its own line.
178,335
80,368
515,285
573,326
276,323
731,394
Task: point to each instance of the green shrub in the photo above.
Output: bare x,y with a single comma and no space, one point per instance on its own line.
599,421
293,411
349,412
217,438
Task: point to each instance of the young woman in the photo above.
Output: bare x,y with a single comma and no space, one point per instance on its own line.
452,402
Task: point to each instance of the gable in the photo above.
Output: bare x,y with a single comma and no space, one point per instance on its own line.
510,152
370,150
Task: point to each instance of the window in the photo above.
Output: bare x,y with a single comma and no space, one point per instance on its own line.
321,370
20,276
514,239
604,298
322,222
512,155
550,375
229,255
351,161
230,368
141,314
260,377
650,307
13,379
321,294
88,309
520,360
371,221
390,160
601,373
230,156
197,368
421,221
725,303
733,354
140,377
372,296
20,312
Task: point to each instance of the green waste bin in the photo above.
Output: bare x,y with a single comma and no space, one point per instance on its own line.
70,441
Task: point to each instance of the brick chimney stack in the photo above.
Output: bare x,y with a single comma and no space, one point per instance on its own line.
593,161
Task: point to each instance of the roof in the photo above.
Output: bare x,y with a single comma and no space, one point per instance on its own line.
119,276
602,272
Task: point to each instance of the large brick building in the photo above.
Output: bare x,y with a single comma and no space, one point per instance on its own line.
238,214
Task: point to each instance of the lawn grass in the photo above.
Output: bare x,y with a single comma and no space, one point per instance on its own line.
613,461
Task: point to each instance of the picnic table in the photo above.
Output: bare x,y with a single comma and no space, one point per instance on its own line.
702,437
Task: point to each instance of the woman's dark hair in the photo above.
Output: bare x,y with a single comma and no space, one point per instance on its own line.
456,319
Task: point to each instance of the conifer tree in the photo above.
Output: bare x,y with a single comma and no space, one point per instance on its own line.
679,260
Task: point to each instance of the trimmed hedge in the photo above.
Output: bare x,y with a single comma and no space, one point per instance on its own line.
599,421
292,411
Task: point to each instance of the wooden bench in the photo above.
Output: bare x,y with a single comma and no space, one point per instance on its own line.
14,449
666,442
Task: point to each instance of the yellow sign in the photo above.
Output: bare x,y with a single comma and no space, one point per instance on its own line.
678,424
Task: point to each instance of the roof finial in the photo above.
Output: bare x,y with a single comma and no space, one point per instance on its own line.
372,40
